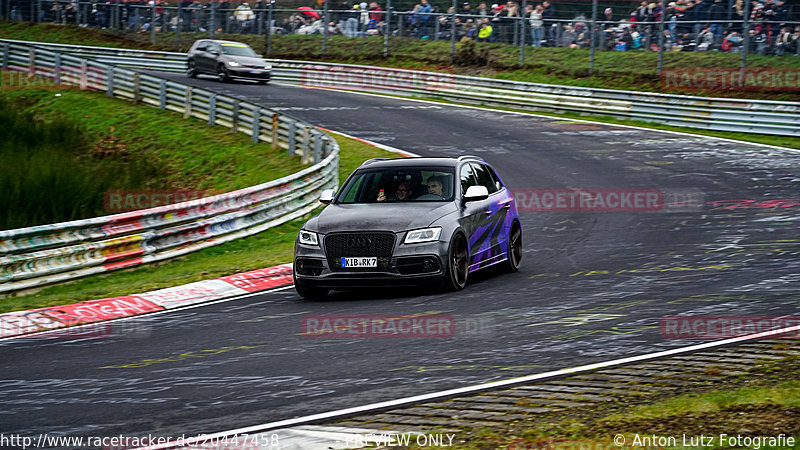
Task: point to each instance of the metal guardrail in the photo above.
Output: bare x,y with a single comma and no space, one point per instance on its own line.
39,255
709,113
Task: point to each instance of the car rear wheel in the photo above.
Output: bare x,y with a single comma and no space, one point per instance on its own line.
514,255
222,74
191,71
457,263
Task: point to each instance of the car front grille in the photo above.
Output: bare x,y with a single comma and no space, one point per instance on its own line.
345,245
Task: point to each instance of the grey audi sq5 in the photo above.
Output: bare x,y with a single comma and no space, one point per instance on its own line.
409,221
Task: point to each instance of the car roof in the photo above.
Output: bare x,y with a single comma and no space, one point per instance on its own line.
218,41
418,161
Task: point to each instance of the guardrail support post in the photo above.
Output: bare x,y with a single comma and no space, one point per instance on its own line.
306,139
57,69
31,62
317,148
212,109
137,92
6,51
256,125
188,103
275,124
292,138
110,81
162,94
84,75
235,121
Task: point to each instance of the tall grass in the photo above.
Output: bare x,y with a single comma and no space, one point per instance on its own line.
48,172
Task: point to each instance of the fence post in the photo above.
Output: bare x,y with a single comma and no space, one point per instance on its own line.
256,125
162,94
84,75
6,51
306,136
317,147
275,125
235,121
31,62
57,69
188,103
137,92
110,81
212,109
292,137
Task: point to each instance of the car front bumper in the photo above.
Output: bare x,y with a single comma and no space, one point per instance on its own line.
244,73
410,265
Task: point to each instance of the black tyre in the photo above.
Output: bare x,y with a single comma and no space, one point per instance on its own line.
310,293
263,81
191,71
222,74
307,292
514,249
457,263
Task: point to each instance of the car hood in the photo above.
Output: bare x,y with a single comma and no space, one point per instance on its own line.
373,217
246,60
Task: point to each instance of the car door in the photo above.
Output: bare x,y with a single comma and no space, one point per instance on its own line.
493,233
472,215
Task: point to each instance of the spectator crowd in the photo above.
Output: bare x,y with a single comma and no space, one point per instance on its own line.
690,25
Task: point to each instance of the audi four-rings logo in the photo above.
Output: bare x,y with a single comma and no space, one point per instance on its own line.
359,242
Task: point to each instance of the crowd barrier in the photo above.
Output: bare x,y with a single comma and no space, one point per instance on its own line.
39,255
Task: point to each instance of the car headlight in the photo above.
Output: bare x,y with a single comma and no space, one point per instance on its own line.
307,237
268,66
423,235
233,63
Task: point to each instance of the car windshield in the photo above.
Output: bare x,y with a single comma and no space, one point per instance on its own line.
412,184
238,50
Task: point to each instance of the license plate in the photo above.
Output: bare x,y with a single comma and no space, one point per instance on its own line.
259,72
359,262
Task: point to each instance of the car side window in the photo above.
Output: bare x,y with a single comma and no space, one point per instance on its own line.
495,178
467,178
484,178
202,47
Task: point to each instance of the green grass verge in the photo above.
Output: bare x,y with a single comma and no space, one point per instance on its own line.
266,249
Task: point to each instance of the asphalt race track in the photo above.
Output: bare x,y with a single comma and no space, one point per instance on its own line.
593,285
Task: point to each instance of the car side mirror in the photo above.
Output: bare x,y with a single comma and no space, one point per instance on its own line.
214,52
475,194
326,197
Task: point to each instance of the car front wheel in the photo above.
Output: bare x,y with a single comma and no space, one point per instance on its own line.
308,292
457,263
191,71
222,74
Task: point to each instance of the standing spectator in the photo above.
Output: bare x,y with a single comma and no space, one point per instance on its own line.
483,11
550,26
537,25
716,14
413,20
425,9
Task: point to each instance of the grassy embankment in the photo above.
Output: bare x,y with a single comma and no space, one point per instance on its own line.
176,153
613,70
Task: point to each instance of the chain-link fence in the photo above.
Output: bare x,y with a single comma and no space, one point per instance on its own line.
771,27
